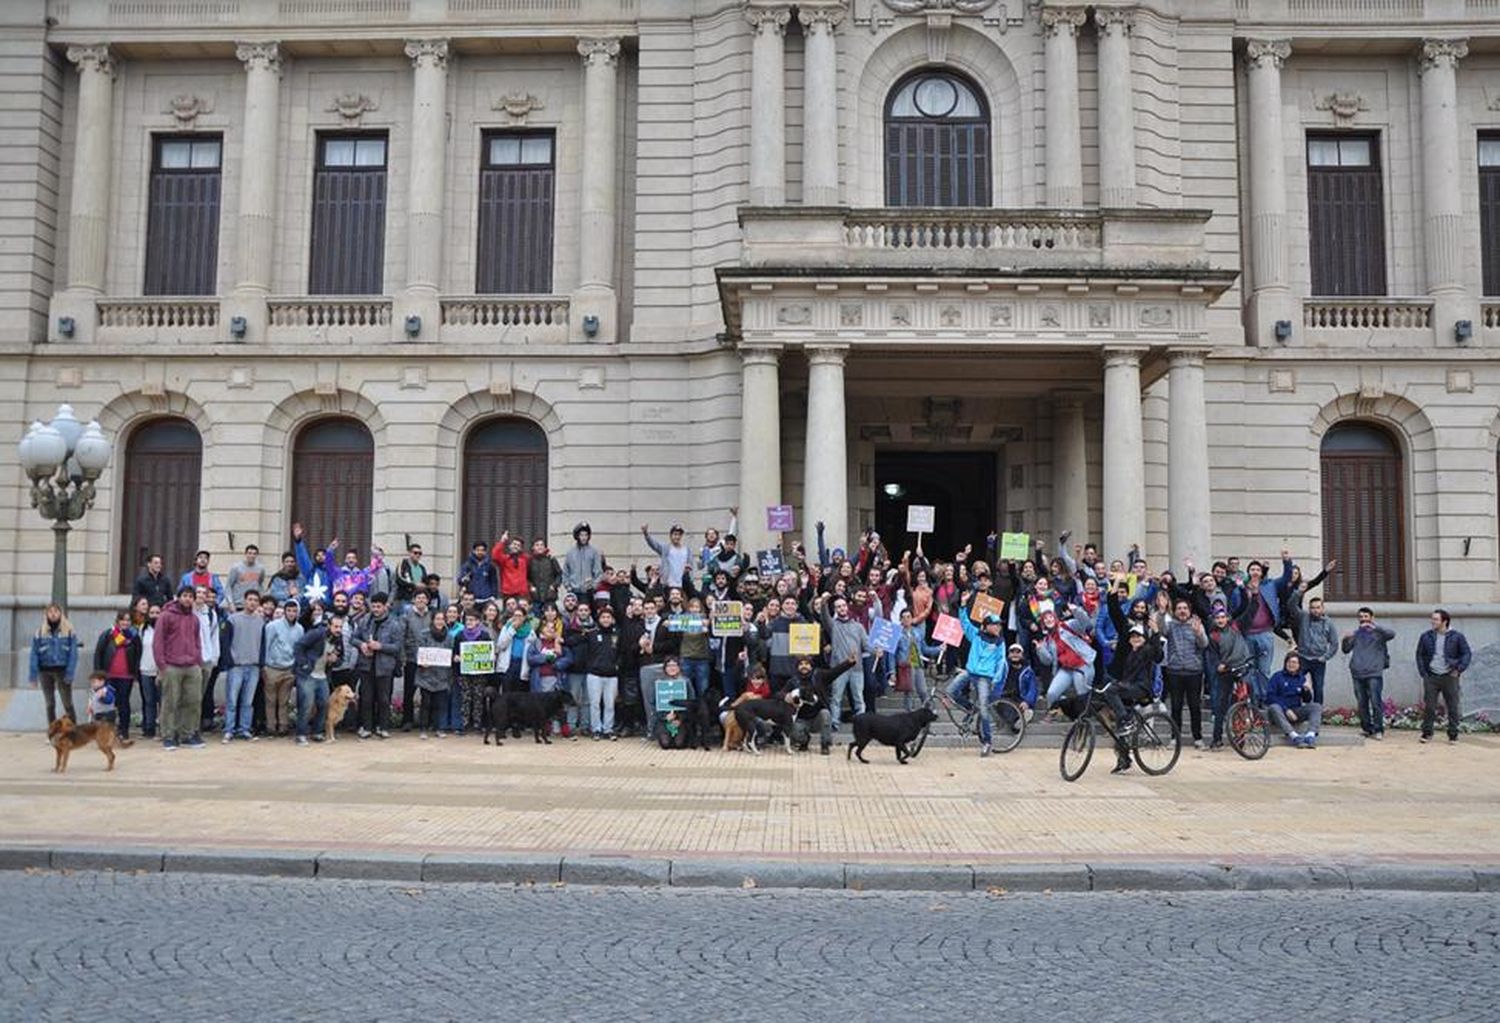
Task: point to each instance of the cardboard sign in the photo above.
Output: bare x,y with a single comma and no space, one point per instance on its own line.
667,690
779,519
693,625
434,657
476,658
729,618
884,635
1015,546
947,630
770,562
804,638
984,604
920,518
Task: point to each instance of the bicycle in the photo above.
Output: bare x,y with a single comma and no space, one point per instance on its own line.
1007,719
1155,743
1248,726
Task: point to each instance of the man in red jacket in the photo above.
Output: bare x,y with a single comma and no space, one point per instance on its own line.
178,653
513,565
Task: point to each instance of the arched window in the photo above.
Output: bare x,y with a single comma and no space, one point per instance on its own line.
937,142
159,491
505,481
1363,513
333,483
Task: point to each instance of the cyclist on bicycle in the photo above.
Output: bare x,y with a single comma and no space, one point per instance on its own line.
985,668
1133,686
1067,648
1232,660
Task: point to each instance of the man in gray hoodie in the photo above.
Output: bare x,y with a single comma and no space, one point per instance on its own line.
582,565
1317,644
849,642
1368,659
1182,670
245,648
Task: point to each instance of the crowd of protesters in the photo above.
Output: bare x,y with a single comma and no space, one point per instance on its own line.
282,637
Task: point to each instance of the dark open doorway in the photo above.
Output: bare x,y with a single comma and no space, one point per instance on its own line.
961,485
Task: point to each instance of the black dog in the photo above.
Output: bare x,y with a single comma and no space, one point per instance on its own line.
697,718
535,711
890,730
751,713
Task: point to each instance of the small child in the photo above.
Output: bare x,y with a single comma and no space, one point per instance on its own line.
101,698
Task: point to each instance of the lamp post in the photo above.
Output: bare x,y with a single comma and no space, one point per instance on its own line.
63,458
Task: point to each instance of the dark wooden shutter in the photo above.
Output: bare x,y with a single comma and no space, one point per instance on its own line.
348,224
333,484
505,481
515,222
1346,223
1363,515
159,493
182,220
1489,214
936,161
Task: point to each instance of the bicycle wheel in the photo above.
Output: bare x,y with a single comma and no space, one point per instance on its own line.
1077,750
1007,725
1249,731
915,746
1157,743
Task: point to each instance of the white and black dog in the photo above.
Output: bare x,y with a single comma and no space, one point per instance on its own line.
778,712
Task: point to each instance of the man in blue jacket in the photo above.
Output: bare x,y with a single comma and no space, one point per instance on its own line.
1289,700
1442,657
985,668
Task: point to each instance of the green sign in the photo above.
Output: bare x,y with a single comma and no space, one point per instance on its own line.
1015,546
476,658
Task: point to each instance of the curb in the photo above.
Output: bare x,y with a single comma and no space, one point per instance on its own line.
658,872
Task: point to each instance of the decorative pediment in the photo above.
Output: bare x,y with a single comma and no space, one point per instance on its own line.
352,107
186,108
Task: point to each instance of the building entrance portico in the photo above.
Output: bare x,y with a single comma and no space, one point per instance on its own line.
962,487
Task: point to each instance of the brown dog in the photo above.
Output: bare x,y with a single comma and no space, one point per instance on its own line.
65,737
338,704
734,735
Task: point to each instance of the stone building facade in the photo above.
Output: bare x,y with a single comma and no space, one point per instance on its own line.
1207,276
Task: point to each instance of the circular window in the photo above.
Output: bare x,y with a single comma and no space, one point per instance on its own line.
936,97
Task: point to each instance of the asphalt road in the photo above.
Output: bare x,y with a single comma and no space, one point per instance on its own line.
197,947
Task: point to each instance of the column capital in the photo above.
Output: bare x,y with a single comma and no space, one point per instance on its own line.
826,355
1063,20
1114,20
761,355
427,52
821,17
259,56
1268,53
599,51
1124,356
95,57
768,18
1441,53
1187,356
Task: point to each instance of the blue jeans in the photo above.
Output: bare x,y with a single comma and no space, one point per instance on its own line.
578,713
1262,650
1368,696
1316,670
239,698
982,686
1063,679
851,679
312,703
150,699
602,692
695,669
918,687
453,716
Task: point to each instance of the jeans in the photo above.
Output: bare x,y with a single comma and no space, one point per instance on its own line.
181,699
918,687
150,699
602,692
239,699
1309,713
122,687
1445,686
312,704
1186,687
452,718
695,669
982,686
1317,671
802,729
1063,679
851,679
1369,697
578,713
434,709
278,686
375,702
1262,651
55,683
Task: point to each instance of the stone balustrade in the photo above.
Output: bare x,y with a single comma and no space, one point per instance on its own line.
510,318
1367,314
157,320
371,312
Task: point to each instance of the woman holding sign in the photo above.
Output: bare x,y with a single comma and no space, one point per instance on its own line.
434,674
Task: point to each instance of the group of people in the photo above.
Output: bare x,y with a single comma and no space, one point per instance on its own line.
521,618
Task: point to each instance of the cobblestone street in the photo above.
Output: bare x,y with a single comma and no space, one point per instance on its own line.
117,946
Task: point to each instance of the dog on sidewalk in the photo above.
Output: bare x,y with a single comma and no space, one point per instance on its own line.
65,737
890,730
338,704
778,712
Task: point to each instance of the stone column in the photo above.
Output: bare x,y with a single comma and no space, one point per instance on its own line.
1189,504
1116,109
596,243
760,446
820,110
1124,453
88,217
1271,296
1070,466
1442,209
1064,163
425,205
825,483
768,105
255,227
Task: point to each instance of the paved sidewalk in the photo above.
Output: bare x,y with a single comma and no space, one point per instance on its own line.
1395,801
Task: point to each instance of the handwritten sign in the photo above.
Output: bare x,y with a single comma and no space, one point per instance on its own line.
779,519
1015,546
920,518
804,638
728,618
984,604
693,625
476,658
884,635
947,630
667,690
434,657
770,562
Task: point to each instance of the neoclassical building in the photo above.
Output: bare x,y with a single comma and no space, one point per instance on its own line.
1207,276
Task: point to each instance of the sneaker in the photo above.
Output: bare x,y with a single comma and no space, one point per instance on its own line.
1029,714
301,740
984,750
195,741
1425,738
615,737
1452,739
422,734
1198,744
250,737
364,733
228,738
319,737
1121,767
823,749
1216,745
441,735
382,733
170,745
1380,737
1310,740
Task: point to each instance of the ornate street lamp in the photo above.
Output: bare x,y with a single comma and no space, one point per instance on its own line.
63,458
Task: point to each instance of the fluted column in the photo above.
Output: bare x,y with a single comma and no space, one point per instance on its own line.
1189,504
760,446
1124,452
825,483
1271,297
428,166
1070,467
1442,217
768,104
596,243
255,226
93,173
1116,108
820,113
1064,163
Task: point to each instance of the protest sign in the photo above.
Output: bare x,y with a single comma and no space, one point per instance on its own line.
667,690
692,625
1015,546
779,519
770,562
920,518
803,638
947,630
884,635
434,657
984,604
476,658
729,618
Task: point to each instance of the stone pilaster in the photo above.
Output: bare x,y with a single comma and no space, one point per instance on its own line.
1124,453
1270,298
255,228
1442,187
768,104
760,446
820,113
93,175
596,243
1116,108
425,203
825,489
1070,468
1064,157
1189,504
